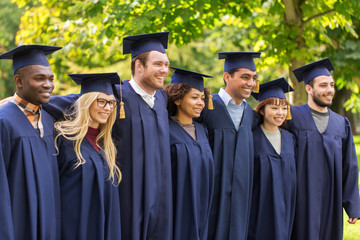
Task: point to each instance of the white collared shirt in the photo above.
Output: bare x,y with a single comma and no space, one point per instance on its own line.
235,110
148,98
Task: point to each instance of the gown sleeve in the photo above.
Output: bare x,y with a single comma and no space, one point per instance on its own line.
6,222
351,200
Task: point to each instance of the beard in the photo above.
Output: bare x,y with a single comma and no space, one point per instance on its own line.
319,102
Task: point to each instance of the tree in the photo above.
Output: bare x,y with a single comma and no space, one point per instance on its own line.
10,20
290,33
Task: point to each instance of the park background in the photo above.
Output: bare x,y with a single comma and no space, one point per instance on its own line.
289,33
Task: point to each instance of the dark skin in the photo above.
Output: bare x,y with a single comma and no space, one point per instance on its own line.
34,83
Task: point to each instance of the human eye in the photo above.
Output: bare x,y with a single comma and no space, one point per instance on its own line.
101,102
112,103
245,77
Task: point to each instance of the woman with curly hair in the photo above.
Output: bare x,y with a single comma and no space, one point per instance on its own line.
191,156
274,189
89,176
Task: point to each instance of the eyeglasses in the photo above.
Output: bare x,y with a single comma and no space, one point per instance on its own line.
103,102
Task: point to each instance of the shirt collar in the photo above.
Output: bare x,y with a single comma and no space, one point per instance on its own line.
26,105
227,98
139,90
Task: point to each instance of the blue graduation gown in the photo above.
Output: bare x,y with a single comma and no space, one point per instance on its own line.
30,196
90,206
274,192
144,156
327,173
193,181
234,160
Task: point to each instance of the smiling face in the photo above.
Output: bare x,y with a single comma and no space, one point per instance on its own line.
151,77
321,93
190,106
240,85
274,116
100,115
34,83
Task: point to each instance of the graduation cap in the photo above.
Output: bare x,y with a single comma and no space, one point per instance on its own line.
99,82
193,79
277,89
310,71
235,60
96,82
29,55
145,42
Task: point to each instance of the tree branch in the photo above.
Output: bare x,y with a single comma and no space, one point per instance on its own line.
316,16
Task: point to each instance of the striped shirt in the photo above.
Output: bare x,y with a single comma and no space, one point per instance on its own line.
32,112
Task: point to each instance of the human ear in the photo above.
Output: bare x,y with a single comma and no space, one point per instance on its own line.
18,81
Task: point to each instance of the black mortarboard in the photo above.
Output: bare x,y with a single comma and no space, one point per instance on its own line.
145,42
193,79
235,60
96,82
310,71
275,88
29,55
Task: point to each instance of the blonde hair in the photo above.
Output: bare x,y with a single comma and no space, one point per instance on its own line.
75,127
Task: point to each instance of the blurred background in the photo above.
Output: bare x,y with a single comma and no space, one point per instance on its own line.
289,33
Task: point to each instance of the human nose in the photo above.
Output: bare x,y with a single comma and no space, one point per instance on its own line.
107,106
48,84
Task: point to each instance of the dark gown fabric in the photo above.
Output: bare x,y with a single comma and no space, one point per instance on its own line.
30,195
233,153
144,157
327,176
143,145
193,181
274,192
90,206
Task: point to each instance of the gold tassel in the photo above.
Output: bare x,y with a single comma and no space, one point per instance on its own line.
288,115
210,104
257,86
122,109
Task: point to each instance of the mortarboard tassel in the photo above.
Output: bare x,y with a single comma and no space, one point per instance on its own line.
210,103
257,86
288,115
122,110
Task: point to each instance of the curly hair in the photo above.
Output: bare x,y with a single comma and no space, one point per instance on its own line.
272,100
176,92
75,127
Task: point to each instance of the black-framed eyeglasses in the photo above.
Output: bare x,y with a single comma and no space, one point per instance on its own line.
103,102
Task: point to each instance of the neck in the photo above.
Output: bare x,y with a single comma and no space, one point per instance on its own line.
270,128
147,89
237,100
184,119
316,107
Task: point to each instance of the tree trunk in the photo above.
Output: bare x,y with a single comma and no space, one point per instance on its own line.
293,19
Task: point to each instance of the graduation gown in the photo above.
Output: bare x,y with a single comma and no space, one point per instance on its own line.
193,181
274,192
233,158
90,206
144,156
29,179
327,173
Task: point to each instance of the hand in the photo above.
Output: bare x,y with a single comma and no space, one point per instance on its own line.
352,220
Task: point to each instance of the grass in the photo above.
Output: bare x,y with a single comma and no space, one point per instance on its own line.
352,231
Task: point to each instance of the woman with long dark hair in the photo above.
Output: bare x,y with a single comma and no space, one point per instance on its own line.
191,156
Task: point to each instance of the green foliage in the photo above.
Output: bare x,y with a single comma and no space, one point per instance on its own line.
10,20
91,32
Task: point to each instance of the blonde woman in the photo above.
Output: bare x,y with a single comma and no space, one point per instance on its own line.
89,177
